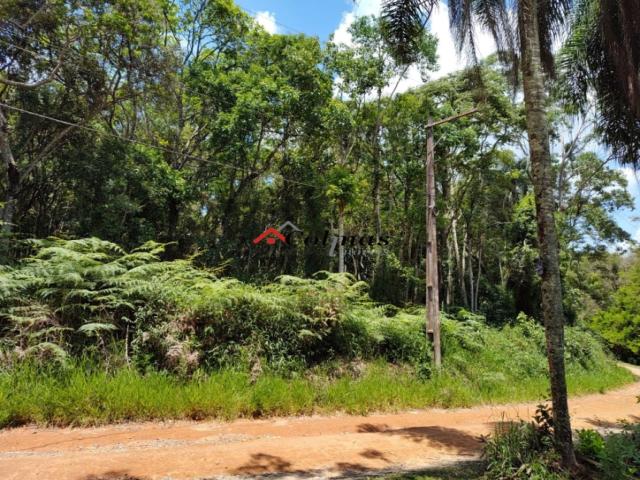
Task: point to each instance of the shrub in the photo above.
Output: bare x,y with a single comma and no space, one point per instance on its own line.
90,298
621,455
590,444
619,325
523,451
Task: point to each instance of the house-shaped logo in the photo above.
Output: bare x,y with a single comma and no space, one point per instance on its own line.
290,226
271,235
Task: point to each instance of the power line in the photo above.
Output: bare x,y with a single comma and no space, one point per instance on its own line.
101,132
65,50
137,142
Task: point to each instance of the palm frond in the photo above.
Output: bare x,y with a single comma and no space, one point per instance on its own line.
403,22
601,59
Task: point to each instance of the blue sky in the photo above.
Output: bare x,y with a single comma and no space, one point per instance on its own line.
317,18
326,17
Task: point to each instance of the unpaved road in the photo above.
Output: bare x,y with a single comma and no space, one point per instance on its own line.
311,447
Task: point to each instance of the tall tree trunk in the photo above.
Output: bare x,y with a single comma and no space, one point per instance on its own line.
377,174
12,176
479,274
538,131
463,269
472,299
449,289
341,239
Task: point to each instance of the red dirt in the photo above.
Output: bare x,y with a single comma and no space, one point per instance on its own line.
309,447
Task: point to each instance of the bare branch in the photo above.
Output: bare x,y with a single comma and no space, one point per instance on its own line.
39,83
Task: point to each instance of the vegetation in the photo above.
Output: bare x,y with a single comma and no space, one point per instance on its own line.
619,322
525,451
605,59
82,394
461,472
95,334
139,164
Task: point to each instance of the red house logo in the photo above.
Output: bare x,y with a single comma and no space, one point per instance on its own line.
271,235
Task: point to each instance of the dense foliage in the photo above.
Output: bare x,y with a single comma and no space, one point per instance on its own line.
91,331
140,163
72,296
619,321
86,323
204,129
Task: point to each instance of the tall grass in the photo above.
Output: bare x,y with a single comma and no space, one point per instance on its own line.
80,395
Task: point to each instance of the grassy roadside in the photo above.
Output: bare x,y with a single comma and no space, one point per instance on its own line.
81,396
469,471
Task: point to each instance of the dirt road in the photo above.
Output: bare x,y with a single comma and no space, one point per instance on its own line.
308,447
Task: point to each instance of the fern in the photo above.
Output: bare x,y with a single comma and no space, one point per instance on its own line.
96,328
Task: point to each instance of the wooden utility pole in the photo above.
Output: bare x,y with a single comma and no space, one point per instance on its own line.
432,307
431,259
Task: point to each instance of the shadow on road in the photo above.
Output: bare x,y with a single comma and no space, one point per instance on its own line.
262,463
273,466
114,475
608,424
450,438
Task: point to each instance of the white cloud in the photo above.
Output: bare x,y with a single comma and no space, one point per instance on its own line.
267,20
632,179
341,34
361,8
448,58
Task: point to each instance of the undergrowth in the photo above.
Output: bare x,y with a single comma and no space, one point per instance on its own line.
93,334
524,451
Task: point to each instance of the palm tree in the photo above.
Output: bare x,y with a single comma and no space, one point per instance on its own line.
601,57
528,43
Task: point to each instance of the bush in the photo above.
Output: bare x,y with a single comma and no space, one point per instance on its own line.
617,455
619,325
523,451
621,455
88,298
590,444
74,295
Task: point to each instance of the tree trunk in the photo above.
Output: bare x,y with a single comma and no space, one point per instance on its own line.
472,299
341,239
376,171
449,290
463,269
13,177
477,294
538,131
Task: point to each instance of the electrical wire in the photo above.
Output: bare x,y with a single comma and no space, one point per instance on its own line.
138,142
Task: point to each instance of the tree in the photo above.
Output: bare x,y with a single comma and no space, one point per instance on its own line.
81,59
365,69
538,22
601,60
619,324
341,191
254,109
